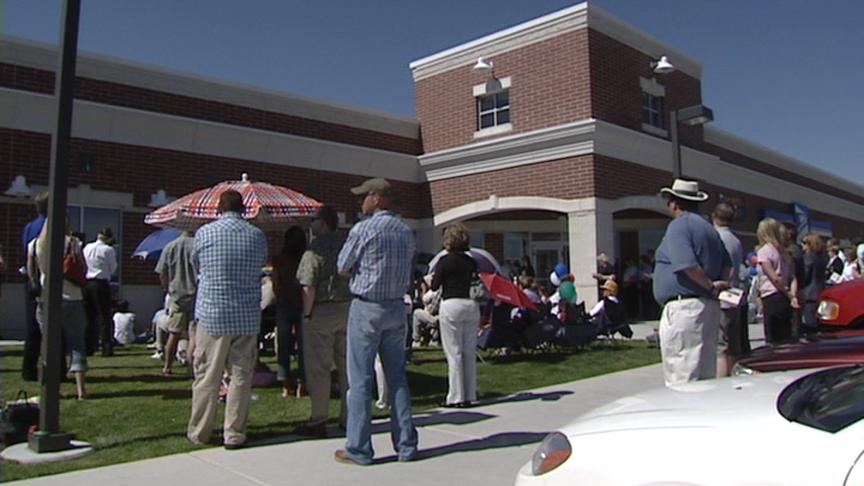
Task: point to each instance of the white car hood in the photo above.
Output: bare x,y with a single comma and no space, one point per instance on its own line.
716,432
703,404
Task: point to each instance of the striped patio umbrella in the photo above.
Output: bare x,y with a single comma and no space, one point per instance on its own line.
267,206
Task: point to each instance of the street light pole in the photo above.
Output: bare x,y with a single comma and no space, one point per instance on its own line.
676,144
692,116
49,438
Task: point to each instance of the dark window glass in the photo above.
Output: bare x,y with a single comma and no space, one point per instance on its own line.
502,99
503,117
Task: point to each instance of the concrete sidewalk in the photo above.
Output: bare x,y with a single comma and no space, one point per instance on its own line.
482,445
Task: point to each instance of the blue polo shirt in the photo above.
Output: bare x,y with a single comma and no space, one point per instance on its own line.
31,231
690,240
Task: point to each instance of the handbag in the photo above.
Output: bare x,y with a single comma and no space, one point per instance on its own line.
17,418
478,291
74,267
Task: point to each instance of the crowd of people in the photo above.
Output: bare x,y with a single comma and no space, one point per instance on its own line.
703,326
340,303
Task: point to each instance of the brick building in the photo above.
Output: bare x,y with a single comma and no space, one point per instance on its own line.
559,154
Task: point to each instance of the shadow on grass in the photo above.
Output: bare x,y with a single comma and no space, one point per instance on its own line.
148,438
494,441
156,377
167,394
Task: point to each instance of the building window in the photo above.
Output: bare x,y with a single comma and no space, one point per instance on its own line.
653,106
88,221
493,107
653,110
493,110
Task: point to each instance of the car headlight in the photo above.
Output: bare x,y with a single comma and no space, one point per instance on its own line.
554,450
828,310
741,370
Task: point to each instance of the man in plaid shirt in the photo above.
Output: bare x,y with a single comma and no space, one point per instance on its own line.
378,256
229,254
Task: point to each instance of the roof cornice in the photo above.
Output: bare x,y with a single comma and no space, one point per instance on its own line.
567,20
40,55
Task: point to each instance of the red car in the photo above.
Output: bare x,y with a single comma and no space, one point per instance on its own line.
843,305
816,351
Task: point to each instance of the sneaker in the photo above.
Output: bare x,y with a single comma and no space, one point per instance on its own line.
158,355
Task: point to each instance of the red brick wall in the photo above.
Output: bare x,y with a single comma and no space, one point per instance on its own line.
570,178
607,178
143,170
29,79
616,95
550,87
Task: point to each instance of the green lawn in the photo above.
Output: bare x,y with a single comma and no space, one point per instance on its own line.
134,413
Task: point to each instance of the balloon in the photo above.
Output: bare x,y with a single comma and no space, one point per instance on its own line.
561,270
554,279
567,291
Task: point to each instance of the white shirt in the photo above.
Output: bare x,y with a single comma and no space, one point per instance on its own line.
101,260
124,327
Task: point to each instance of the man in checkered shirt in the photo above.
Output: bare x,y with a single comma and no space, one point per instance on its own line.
229,254
378,256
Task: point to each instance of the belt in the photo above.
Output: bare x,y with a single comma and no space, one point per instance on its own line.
684,297
366,299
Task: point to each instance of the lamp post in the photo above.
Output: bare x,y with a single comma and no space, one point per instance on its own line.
49,438
691,116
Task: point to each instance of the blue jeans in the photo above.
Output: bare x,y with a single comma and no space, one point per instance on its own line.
289,318
373,328
73,331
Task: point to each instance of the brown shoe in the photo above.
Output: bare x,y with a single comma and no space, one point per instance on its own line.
312,430
342,456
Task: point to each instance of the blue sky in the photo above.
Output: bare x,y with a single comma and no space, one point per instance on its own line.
783,73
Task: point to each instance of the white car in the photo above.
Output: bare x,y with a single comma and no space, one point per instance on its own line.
790,428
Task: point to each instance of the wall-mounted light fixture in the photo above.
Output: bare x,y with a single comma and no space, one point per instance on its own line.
483,66
19,188
159,199
662,65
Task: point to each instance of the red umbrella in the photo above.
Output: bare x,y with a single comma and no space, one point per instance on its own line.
503,290
267,206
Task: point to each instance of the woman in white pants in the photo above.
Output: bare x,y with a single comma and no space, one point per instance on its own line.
458,316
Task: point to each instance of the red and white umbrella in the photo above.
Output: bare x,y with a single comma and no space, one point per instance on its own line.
267,206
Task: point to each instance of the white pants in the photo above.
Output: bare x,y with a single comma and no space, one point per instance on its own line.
688,340
458,319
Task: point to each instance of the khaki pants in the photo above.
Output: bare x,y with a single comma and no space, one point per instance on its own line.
689,330
213,355
324,343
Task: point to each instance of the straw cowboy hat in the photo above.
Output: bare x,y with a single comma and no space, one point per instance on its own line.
687,190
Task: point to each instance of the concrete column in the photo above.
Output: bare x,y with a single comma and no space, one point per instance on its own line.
590,232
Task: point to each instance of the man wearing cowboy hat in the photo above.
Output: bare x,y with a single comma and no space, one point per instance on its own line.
689,273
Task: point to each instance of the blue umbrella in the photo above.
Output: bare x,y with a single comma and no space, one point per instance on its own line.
155,242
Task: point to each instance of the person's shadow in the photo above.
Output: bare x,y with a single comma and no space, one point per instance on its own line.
494,441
